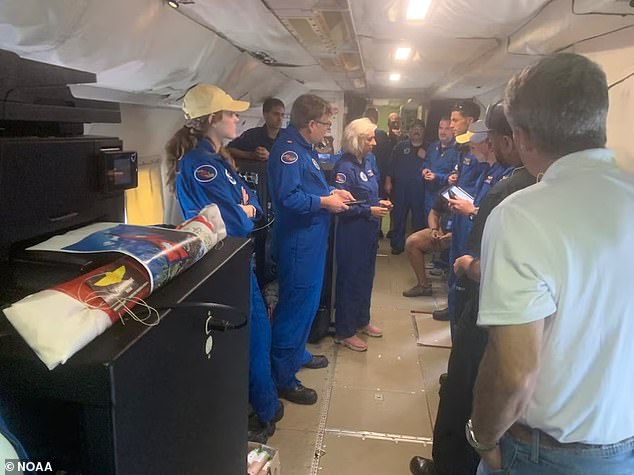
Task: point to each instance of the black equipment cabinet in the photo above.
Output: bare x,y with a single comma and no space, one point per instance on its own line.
144,400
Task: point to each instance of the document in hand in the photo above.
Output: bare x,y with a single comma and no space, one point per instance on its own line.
456,192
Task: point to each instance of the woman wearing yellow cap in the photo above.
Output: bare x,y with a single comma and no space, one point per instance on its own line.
202,173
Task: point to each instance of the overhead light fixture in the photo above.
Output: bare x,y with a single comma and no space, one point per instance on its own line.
402,53
178,3
417,9
395,76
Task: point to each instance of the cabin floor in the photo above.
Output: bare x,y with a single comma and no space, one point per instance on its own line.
376,409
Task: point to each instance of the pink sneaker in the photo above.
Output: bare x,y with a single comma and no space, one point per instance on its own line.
354,343
371,330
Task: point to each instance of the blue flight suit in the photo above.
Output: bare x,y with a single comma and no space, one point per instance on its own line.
469,170
300,239
356,243
204,177
442,161
462,225
408,191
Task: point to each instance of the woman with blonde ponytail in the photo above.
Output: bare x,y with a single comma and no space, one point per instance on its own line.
201,173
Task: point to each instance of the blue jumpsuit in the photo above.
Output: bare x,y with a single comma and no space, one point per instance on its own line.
205,177
442,161
356,244
408,191
462,225
300,239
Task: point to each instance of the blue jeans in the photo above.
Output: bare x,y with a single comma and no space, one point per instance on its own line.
520,458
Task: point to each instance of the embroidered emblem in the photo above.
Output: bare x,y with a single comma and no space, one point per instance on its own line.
363,176
289,157
466,161
229,177
340,178
407,150
370,173
205,173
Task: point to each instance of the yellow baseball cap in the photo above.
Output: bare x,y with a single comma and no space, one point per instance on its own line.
204,99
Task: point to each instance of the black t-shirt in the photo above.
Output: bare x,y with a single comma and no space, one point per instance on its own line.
252,139
520,179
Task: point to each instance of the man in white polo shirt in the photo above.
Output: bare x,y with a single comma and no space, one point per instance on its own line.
555,387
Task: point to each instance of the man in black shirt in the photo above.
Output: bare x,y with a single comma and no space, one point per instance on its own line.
256,143
452,455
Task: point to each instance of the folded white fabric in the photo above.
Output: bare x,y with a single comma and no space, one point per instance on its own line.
58,322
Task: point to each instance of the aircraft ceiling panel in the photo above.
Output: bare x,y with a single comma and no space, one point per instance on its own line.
454,19
248,24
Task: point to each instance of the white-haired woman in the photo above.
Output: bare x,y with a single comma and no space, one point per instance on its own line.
357,235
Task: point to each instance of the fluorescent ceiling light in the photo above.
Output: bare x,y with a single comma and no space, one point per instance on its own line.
172,3
417,9
402,53
395,76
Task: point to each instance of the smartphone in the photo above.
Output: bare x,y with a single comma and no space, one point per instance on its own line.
354,202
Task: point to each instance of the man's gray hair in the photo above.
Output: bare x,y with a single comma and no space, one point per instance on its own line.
561,102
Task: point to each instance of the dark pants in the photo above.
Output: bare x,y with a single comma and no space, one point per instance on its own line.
356,258
451,452
408,195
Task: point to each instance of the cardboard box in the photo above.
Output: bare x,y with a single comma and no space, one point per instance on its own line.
275,467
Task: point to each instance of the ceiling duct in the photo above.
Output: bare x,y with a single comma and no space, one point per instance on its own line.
323,32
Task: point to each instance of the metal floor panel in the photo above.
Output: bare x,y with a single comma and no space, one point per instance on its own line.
375,409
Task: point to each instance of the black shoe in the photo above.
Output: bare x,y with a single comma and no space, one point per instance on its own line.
389,234
317,362
299,395
442,379
279,413
261,434
397,251
441,315
422,466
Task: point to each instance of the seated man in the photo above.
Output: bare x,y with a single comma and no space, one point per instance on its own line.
256,143
436,238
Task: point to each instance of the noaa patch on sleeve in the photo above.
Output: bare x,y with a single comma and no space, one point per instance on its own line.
205,173
363,176
229,177
289,157
340,178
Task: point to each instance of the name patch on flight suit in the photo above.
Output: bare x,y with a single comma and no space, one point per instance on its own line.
340,178
230,178
363,176
289,157
316,164
205,173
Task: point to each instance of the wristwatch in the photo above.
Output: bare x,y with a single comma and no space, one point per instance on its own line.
473,442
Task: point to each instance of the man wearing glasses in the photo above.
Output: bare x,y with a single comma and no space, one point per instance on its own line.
302,202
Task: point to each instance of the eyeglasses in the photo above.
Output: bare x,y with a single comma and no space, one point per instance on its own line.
327,124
